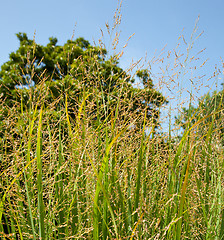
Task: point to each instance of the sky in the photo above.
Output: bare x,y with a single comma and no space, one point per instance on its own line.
155,25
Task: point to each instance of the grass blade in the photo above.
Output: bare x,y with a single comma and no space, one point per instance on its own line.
41,210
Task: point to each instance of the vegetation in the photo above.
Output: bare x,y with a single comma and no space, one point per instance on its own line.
76,162
209,110
70,70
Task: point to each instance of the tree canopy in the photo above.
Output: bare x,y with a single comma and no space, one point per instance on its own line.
72,69
208,114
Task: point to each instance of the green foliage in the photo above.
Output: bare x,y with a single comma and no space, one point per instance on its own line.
109,181
74,167
81,97
72,69
210,109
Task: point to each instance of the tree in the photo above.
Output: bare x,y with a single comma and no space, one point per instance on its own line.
72,69
209,111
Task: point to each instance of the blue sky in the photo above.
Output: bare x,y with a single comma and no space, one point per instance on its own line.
154,23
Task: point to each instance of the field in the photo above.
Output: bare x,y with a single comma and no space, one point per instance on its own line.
100,175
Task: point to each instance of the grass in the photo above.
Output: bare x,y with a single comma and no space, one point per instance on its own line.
66,178
110,182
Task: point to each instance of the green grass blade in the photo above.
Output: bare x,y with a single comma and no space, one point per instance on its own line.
182,199
60,190
139,172
41,210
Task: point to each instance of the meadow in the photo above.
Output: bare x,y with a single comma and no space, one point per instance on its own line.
96,176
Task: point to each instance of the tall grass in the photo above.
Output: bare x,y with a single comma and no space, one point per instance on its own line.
110,182
66,178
